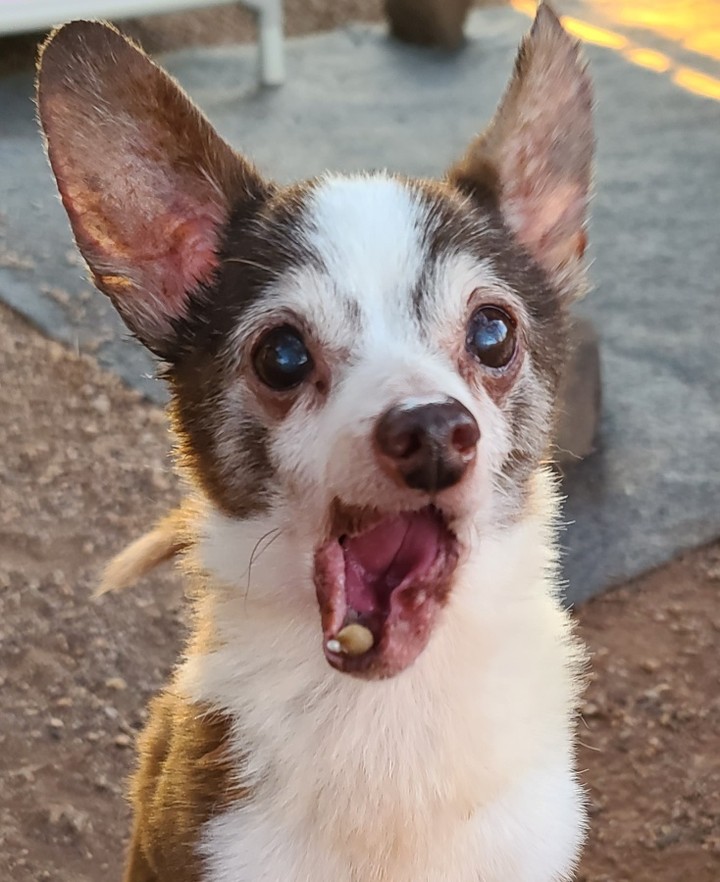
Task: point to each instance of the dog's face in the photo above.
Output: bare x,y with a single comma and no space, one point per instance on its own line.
368,363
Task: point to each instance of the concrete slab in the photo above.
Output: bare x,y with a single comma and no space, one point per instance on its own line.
353,100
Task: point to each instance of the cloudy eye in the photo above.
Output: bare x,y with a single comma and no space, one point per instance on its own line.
491,337
281,359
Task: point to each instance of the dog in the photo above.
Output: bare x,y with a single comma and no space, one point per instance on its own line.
381,683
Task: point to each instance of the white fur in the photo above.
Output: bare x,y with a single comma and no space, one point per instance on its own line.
459,769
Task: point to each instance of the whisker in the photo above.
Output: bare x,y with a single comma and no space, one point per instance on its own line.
590,746
256,554
244,260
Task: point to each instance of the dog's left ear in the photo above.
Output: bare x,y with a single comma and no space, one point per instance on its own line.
535,159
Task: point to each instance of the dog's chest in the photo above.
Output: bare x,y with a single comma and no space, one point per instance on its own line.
417,824
426,778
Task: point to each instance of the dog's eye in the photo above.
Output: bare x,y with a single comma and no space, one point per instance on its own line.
281,359
491,337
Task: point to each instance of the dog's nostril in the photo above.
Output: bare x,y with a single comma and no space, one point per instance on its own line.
404,444
465,437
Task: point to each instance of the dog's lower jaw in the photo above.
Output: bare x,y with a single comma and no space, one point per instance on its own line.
458,769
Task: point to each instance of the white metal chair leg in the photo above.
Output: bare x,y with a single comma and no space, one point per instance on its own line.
270,40
21,15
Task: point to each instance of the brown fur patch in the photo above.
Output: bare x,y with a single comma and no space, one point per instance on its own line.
207,367
184,778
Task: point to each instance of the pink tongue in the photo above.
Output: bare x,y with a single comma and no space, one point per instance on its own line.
397,549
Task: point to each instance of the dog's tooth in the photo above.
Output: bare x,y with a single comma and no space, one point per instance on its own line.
355,639
334,646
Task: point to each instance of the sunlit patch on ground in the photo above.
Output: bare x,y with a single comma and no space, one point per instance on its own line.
691,25
694,24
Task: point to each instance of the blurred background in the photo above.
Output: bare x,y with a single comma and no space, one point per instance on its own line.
305,85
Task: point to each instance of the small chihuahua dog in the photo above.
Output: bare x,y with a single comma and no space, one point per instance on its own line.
381,683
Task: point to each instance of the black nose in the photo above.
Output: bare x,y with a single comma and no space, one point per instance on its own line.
428,446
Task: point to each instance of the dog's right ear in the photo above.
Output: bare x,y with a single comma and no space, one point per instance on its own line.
535,158
146,181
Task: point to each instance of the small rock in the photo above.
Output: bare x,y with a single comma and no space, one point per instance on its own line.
156,416
101,403
102,783
55,352
58,295
27,774
654,694
123,740
116,683
650,665
160,480
68,817
712,572
667,835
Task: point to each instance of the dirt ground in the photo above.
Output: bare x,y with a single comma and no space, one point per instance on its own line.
84,468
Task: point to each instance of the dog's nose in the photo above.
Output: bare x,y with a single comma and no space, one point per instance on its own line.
428,446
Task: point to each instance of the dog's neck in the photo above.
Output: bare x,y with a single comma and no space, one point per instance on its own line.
259,660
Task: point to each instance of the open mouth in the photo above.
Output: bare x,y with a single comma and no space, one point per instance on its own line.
380,583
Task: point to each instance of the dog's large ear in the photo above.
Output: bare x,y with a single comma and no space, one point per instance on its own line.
146,181
535,158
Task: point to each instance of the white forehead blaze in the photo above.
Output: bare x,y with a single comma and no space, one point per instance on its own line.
375,276
370,233
373,235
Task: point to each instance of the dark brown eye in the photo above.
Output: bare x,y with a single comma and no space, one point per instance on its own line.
491,337
281,358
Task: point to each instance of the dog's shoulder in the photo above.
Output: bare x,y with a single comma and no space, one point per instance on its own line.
183,779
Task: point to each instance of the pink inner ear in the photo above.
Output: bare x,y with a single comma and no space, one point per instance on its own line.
548,219
150,268
145,214
183,253
149,235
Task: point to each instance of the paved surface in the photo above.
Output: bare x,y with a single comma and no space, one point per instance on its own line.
355,101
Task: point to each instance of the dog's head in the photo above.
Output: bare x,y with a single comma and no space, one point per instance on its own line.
368,363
